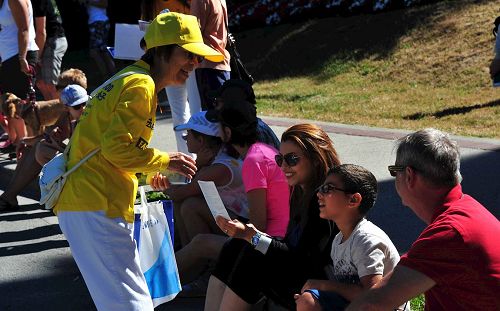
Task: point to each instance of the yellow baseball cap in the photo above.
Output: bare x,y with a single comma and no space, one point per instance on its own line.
181,29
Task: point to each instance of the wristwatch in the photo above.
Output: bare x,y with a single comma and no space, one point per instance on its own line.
256,239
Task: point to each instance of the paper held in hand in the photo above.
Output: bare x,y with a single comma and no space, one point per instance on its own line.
213,199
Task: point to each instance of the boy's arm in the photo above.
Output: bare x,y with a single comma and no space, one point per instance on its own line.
394,290
348,291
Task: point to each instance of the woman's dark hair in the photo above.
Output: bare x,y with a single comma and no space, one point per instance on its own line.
318,148
163,52
241,117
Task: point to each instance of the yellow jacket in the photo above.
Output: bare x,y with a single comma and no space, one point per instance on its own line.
119,119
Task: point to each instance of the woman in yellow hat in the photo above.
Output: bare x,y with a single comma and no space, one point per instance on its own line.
96,207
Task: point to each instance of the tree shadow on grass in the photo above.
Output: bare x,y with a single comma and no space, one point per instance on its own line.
451,111
305,48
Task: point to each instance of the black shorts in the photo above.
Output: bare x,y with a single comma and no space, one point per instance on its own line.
252,275
12,79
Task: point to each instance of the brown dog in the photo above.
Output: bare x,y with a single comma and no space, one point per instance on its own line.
36,116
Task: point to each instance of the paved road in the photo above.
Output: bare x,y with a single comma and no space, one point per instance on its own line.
38,273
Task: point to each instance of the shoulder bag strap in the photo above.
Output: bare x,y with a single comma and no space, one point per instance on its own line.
93,152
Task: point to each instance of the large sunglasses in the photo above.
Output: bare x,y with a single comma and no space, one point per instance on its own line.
394,169
192,56
328,188
291,159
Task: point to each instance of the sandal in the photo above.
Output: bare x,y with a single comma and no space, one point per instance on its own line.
5,206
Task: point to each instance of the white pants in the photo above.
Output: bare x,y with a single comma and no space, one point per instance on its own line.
107,257
181,108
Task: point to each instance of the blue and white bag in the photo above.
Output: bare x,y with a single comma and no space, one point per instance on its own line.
154,242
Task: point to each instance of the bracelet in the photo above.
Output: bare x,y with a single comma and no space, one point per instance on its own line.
22,57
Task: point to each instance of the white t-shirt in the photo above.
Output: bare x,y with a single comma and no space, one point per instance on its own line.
8,32
367,251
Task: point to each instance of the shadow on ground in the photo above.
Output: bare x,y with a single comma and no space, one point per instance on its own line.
51,281
480,180
452,111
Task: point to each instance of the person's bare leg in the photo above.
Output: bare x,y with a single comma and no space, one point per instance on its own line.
48,90
230,301
27,170
17,128
306,302
193,259
180,226
197,217
215,293
109,62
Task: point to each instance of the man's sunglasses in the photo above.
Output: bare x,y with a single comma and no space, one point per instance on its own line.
192,56
291,159
394,169
328,188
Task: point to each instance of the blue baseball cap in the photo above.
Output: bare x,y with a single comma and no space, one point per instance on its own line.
74,95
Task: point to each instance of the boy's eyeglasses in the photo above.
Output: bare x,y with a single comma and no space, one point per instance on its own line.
192,56
394,169
327,188
291,159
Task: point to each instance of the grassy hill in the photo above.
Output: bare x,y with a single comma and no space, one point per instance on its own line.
414,68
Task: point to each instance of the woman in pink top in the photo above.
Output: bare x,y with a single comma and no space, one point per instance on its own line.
265,183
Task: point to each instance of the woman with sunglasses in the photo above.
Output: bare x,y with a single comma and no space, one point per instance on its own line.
96,206
254,264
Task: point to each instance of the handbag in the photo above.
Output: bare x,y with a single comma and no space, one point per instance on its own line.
238,70
53,177
153,225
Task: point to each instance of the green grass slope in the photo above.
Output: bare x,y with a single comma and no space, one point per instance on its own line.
414,68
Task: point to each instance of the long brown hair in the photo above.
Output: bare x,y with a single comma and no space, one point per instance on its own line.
318,148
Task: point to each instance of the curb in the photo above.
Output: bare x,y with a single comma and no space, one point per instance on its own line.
383,133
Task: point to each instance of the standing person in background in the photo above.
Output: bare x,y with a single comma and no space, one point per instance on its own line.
495,63
183,99
96,206
52,43
210,76
98,37
18,52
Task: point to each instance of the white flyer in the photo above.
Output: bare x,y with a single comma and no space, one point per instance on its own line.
213,199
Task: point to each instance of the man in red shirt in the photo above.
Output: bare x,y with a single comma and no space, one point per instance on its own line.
455,261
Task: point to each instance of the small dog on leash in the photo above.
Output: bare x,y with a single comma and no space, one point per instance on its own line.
36,116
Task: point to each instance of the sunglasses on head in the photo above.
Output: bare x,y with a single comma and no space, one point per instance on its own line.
192,56
291,159
328,188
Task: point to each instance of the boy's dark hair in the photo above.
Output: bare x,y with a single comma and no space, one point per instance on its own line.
356,178
241,117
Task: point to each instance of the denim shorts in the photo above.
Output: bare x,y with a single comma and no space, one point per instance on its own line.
329,300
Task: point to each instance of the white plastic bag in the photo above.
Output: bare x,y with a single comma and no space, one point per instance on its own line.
156,251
